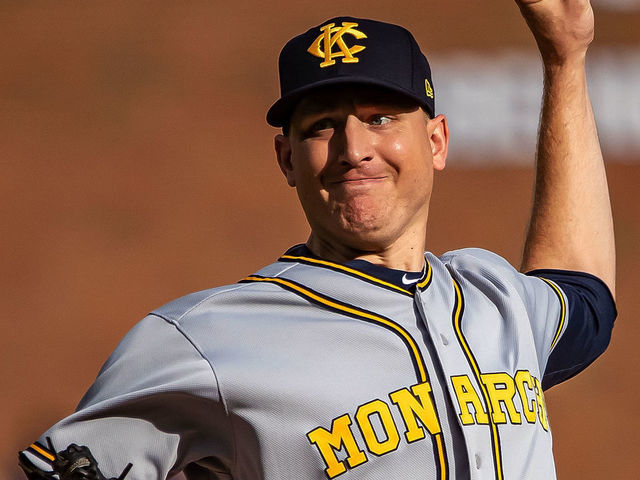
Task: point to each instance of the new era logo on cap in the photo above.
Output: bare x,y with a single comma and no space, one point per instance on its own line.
347,50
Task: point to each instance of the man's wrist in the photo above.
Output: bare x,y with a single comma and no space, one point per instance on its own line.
554,64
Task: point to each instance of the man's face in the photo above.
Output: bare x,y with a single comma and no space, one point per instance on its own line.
362,161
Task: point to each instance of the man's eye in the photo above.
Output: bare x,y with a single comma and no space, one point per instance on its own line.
323,124
379,120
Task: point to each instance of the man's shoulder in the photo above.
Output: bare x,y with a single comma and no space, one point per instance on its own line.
216,297
472,257
482,269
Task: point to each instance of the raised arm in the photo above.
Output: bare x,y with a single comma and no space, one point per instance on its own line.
571,224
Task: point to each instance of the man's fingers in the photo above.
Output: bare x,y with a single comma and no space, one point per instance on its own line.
563,29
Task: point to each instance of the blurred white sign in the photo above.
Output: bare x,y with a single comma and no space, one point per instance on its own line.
617,4
493,104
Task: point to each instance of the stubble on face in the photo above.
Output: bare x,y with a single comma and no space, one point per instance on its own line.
364,213
365,205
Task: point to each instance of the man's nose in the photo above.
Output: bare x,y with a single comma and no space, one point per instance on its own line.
356,143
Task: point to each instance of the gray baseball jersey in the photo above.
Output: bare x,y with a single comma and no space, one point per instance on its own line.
314,370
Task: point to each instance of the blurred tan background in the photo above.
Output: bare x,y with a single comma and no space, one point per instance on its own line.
137,167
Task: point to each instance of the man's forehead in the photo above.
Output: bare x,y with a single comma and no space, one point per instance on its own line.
332,97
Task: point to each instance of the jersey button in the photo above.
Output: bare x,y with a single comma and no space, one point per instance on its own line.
445,340
478,462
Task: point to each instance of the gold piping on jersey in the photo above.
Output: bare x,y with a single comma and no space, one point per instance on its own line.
458,309
353,311
444,472
424,284
352,271
40,450
563,311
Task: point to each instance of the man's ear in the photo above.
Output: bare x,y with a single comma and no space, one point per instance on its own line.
283,153
439,138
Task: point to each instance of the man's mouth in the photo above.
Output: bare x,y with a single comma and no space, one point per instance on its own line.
359,180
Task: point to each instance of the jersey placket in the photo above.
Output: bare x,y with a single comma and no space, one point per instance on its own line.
441,309
383,302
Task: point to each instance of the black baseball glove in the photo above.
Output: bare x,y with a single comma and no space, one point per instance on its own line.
74,463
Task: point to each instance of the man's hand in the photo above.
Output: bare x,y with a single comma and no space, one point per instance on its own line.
563,29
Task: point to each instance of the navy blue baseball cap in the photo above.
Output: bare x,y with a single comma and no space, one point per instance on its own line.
347,50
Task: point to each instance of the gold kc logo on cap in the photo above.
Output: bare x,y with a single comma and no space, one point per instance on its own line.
331,36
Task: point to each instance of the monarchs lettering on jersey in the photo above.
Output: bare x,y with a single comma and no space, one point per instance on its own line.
340,435
512,399
416,409
323,45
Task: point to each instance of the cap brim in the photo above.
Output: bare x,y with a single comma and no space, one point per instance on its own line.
280,112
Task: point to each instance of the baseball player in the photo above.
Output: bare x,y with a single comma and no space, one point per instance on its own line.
356,354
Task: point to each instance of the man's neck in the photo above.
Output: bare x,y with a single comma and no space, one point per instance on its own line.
407,256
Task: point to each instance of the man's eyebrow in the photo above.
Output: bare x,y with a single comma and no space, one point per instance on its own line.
316,106
319,104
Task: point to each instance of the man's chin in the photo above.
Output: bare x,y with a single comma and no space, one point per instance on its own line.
368,237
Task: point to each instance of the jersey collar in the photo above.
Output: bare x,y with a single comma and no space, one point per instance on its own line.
399,280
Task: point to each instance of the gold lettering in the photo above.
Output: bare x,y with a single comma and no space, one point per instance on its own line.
542,408
523,378
501,389
467,395
417,405
363,417
328,441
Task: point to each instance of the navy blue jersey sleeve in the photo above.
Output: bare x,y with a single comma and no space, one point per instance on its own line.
592,312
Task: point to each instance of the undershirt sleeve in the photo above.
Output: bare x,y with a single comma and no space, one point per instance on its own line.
591,315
